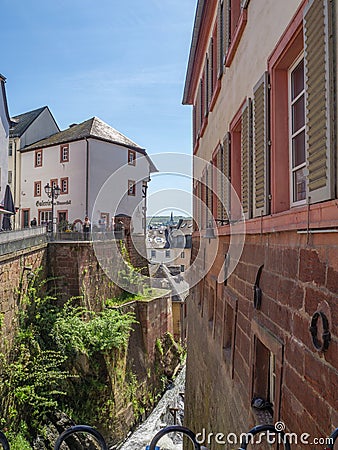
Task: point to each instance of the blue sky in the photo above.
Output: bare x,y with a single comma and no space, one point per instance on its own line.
124,62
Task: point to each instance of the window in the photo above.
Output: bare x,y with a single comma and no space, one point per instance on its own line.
64,153
235,150
153,253
54,183
131,157
228,323
37,189
10,177
267,367
234,22
182,267
211,308
25,218
45,216
182,254
308,33
297,132
131,187
229,329
64,185
10,149
265,373
62,220
167,253
38,158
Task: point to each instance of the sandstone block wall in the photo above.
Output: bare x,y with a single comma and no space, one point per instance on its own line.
224,367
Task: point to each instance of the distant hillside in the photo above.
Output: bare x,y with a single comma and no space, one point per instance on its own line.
162,220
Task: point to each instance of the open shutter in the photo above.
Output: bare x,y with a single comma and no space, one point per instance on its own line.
219,183
318,91
261,147
226,26
244,3
246,159
220,43
226,176
206,86
209,191
210,72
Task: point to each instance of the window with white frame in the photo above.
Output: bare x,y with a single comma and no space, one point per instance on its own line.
131,187
64,185
45,216
38,158
64,153
131,157
37,188
297,132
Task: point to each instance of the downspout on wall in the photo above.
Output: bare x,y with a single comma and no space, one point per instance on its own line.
87,176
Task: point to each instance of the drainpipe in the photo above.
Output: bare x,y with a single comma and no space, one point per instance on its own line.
14,182
87,176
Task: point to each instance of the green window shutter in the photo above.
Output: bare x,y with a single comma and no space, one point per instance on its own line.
318,88
261,147
246,159
220,46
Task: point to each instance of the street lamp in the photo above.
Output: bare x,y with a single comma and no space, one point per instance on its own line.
52,192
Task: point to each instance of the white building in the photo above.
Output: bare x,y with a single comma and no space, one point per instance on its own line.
26,129
101,173
4,136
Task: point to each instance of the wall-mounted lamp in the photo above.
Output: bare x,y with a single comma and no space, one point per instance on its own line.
209,233
30,273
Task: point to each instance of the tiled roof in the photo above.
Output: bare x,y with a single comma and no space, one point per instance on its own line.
91,128
23,121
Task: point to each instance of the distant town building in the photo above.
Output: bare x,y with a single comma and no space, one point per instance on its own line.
262,340
5,122
80,160
26,129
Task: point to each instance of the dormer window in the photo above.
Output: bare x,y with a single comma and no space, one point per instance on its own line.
64,153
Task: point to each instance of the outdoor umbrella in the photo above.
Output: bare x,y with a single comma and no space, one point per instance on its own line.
8,205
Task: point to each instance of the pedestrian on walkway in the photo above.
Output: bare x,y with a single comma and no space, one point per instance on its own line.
86,228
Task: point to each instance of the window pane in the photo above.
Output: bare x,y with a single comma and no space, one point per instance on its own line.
298,114
298,149
297,80
299,185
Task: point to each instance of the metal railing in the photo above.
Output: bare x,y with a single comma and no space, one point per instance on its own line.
169,429
81,236
12,241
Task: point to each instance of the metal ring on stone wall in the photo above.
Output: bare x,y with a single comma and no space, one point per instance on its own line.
326,336
3,441
245,440
81,429
177,429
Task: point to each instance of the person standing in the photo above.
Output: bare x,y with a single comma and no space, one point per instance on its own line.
33,222
86,228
